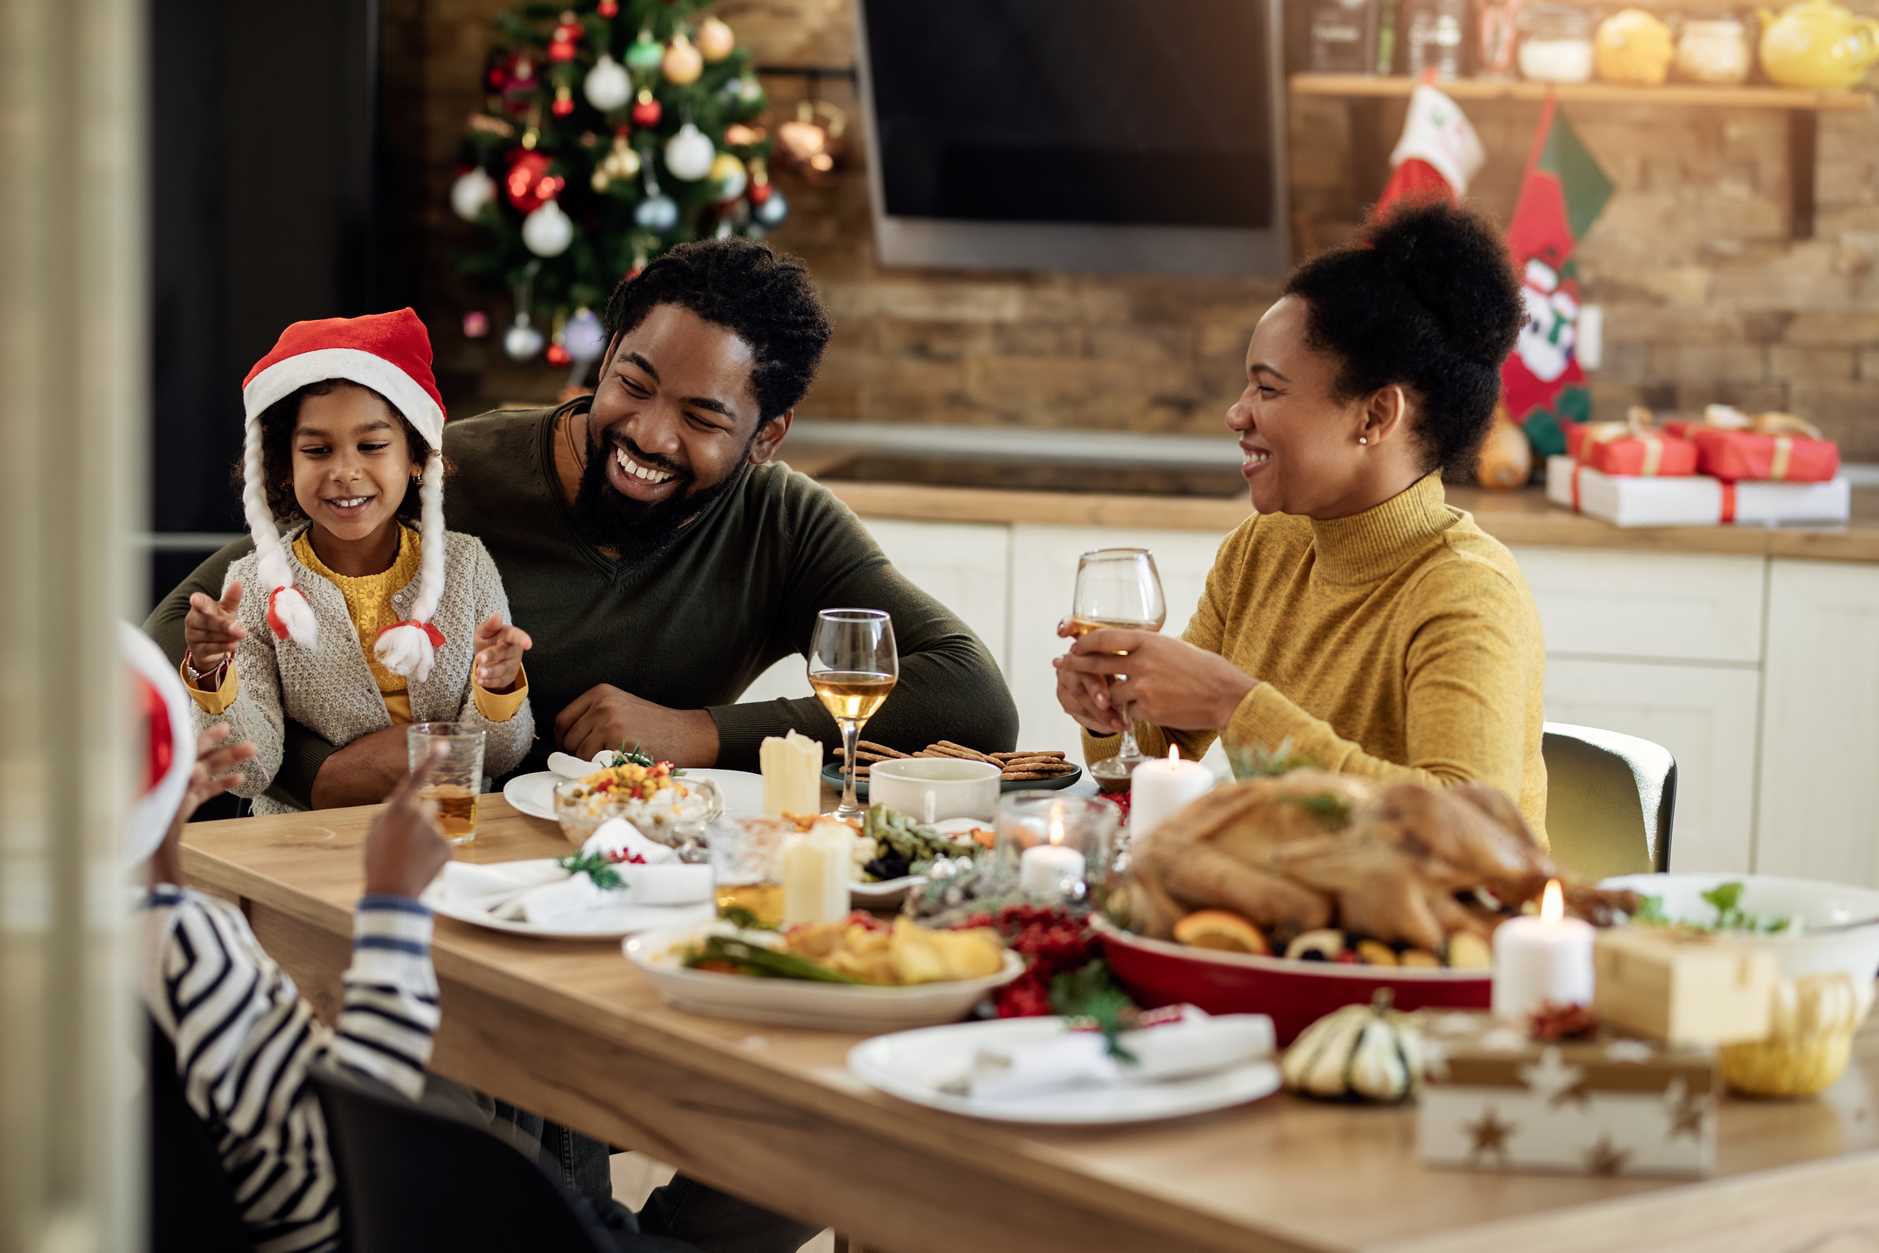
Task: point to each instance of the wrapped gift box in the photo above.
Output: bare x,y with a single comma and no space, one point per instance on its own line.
1684,987
1630,448
1497,1100
1746,455
1697,500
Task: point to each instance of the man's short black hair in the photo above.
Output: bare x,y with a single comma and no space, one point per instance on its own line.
1425,297
766,300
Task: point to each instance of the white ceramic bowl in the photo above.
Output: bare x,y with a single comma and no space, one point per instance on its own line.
958,788
799,1002
1817,904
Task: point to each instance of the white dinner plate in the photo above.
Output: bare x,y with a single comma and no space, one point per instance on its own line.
607,923
534,794
800,1002
913,1064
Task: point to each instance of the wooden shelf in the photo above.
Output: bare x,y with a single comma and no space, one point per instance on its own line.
1590,93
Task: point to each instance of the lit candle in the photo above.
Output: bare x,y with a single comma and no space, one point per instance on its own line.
1159,789
1048,868
1548,958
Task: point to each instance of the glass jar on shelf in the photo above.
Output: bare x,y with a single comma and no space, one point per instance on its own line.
1713,47
1555,43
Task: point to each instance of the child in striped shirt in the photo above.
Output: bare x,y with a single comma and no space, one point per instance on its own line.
244,1036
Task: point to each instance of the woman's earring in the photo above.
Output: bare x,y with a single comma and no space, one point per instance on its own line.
1363,439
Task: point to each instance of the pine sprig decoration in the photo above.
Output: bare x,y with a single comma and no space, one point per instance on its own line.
538,124
599,867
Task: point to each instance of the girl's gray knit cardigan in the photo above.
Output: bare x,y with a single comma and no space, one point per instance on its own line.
330,690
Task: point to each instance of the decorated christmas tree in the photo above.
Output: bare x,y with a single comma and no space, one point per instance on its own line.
610,131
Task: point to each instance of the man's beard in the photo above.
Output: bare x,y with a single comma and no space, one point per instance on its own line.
638,529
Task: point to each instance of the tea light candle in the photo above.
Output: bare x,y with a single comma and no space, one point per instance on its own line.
1159,789
1045,869
1548,958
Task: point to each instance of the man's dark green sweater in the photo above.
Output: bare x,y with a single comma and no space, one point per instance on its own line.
738,589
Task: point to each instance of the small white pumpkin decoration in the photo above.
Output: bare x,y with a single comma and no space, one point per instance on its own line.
1361,1052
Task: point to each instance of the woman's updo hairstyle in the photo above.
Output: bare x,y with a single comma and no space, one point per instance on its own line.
1426,298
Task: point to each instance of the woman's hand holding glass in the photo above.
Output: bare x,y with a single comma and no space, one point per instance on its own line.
1168,683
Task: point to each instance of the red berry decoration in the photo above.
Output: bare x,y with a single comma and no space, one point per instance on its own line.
557,355
646,110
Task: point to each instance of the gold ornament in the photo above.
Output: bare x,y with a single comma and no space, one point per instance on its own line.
715,41
682,64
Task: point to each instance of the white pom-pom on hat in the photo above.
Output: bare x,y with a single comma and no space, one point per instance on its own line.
391,354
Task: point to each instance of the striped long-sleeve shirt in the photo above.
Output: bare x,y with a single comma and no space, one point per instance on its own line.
244,1038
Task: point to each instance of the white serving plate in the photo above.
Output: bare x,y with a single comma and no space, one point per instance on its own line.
799,1002
913,1064
534,794
1853,949
609,923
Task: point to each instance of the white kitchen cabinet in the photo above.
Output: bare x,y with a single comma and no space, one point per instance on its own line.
1677,606
1705,716
1819,810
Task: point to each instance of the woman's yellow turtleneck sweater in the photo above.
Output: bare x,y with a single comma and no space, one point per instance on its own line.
1400,643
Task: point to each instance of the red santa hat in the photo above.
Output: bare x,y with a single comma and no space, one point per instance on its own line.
169,755
391,354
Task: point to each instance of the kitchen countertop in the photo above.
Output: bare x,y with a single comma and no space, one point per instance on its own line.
1522,517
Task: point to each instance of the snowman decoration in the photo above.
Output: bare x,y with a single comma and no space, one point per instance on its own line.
1546,340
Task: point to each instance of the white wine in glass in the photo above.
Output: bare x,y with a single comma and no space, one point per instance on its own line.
853,665
1118,587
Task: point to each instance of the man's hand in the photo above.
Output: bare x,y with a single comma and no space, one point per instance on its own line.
364,772
605,717
404,849
499,652
1170,682
213,775
211,630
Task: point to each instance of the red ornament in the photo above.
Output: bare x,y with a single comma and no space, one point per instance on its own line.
557,355
528,182
646,110
561,50
563,105
497,77
759,192
609,8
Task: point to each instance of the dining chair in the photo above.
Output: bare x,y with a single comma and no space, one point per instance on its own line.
413,1180
192,1204
1610,799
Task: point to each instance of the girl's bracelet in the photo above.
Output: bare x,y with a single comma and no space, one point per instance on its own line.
197,676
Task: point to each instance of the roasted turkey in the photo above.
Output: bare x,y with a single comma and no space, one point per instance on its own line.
1398,862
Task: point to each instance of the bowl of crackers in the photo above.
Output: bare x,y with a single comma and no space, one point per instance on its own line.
1017,770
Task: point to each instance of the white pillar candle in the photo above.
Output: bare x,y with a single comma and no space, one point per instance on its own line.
1548,958
1161,788
792,774
816,865
1046,868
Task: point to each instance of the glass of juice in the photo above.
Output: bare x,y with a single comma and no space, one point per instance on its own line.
457,777
747,865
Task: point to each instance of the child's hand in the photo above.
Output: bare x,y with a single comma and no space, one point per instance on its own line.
499,652
404,849
213,775
211,630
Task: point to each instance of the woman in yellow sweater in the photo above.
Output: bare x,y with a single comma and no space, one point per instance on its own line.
1356,616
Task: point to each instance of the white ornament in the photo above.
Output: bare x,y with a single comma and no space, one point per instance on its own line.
548,231
473,190
770,213
688,154
583,336
608,86
521,341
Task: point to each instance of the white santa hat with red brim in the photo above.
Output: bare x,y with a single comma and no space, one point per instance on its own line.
169,755
391,354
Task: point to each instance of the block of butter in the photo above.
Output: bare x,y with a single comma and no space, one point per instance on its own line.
1682,987
792,774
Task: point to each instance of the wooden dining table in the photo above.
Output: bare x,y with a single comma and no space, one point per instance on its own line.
574,1032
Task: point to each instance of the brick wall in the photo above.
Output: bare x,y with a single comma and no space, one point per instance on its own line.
1706,297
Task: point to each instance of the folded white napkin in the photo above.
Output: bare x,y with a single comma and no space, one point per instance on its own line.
1192,1044
541,892
571,767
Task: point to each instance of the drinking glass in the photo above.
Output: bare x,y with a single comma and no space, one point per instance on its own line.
747,865
457,777
1118,587
852,667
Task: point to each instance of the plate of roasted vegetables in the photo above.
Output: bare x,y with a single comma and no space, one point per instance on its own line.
1295,894
858,974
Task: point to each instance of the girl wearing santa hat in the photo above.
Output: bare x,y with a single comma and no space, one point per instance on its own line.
364,613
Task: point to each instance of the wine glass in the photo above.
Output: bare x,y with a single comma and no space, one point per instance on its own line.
852,667
1118,587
